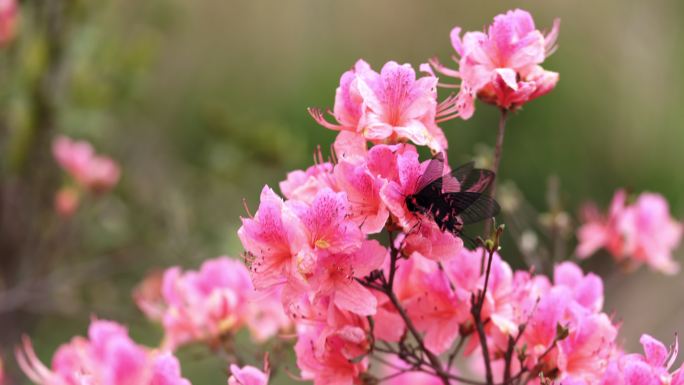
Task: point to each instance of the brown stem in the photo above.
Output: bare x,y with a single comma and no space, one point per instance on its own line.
434,360
498,153
508,358
498,150
476,311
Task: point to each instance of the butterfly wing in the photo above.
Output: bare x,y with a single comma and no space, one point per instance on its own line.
472,207
466,178
433,173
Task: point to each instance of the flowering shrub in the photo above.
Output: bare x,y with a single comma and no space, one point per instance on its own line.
375,288
412,303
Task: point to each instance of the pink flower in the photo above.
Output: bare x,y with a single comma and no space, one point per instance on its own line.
650,233
403,173
642,232
334,276
67,200
388,107
588,349
433,243
304,185
349,145
265,316
93,172
247,375
600,231
273,237
107,357
399,106
9,18
203,305
148,295
348,100
333,354
438,309
502,66
326,223
363,192
652,368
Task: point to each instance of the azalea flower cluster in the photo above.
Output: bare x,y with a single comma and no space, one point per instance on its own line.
639,232
90,172
209,304
106,357
502,66
368,280
373,289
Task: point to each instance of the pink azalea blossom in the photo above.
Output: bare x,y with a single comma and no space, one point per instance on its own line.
334,276
387,107
438,309
587,290
273,237
148,296
350,145
94,172
203,305
326,223
247,375
265,316
304,185
588,349
107,357
348,108
651,368
9,19
333,353
502,66
641,232
405,171
433,243
67,200
363,192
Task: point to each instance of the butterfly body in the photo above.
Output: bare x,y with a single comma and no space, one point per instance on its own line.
453,199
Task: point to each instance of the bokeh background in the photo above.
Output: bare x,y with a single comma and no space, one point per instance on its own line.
204,102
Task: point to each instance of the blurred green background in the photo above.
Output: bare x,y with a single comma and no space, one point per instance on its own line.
204,102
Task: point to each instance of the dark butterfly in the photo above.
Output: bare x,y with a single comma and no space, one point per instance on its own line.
454,199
